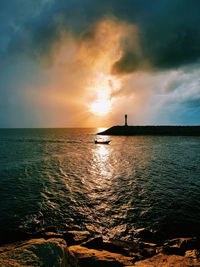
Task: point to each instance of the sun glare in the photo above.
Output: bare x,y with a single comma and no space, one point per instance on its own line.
103,85
101,107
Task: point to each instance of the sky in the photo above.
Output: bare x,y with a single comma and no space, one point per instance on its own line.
86,63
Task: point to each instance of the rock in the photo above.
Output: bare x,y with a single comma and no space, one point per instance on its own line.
183,244
37,252
162,260
146,235
148,245
195,254
98,243
47,235
179,246
176,242
76,237
138,250
172,251
190,243
112,248
127,248
147,253
131,245
92,257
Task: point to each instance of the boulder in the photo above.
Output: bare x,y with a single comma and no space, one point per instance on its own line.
127,248
99,244
76,237
170,250
130,245
190,244
147,245
92,257
183,244
96,243
195,254
147,235
47,235
167,261
37,252
138,250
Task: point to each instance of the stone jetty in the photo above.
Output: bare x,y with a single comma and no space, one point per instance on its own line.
153,130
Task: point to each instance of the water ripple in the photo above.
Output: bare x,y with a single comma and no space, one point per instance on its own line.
61,179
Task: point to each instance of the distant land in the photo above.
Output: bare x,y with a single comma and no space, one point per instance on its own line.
153,130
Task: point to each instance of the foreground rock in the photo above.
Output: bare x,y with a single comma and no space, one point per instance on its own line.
99,258
184,243
98,243
83,249
76,237
179,252
37,252
147,236
162,260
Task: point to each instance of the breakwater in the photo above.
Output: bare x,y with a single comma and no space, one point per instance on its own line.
153,130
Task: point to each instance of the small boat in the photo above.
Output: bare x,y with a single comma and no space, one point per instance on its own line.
101,142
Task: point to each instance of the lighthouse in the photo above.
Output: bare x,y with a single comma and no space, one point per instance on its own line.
126,120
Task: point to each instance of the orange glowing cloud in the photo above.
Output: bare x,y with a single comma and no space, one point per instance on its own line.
79,86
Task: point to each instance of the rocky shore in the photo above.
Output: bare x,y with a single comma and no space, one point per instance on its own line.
77,249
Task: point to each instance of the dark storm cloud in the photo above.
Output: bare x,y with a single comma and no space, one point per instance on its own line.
169,34
174,39
128,63
169,30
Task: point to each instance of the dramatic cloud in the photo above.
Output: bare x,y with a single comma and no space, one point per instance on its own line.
169,33
169,30
59,57
76,72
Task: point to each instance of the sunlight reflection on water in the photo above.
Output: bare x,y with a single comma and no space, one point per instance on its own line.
133,182
101,129
101,168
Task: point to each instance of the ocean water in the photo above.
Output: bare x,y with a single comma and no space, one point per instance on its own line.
59,179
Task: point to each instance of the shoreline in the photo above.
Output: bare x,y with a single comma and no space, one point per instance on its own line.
85,248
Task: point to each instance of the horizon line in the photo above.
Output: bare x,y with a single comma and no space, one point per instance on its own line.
94,127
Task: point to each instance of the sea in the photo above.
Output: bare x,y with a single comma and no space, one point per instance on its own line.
60,180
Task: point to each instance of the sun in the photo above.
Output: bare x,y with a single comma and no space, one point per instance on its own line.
102,87
101,107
